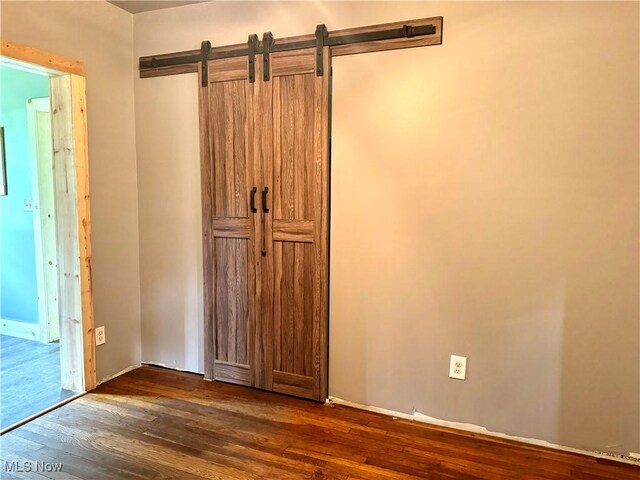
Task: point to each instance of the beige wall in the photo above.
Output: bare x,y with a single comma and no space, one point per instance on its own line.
100,35
485,203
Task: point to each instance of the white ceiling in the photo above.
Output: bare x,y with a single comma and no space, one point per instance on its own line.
138,6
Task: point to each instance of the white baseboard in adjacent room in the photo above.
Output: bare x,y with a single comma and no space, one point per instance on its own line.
631,458
14,328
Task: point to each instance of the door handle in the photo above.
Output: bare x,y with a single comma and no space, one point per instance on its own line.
265,209
253,199
264,200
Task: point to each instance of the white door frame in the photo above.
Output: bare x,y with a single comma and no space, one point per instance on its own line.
44,221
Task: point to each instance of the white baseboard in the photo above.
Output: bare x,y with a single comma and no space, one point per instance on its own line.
159,364
121,372
14,328
468,427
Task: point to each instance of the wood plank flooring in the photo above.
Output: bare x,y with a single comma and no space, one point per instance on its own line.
153,423
29,378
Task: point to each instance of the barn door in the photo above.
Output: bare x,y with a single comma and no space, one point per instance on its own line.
269,150
296,259
233,232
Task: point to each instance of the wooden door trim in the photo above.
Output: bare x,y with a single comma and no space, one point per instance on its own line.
45,241
69,131
50,63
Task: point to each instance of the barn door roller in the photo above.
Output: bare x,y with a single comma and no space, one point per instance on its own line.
253,48
267,44
321,37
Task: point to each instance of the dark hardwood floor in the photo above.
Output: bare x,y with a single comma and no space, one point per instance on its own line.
29,378
155,423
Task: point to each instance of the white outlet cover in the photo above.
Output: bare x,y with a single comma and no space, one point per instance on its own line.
458,367
100,336
28,204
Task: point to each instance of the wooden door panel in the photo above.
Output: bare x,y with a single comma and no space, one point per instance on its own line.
293,62
231,227
232,309
298,224
294,159
293,308
225,69
229,122
263,161
291,384
293,212
232,294
270,265
285,230
233,224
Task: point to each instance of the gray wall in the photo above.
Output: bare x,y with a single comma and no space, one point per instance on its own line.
100,35
485,203
503,168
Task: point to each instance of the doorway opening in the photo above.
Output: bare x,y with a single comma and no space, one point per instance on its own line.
46,310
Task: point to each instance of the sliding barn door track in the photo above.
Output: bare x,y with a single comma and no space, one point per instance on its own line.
391,36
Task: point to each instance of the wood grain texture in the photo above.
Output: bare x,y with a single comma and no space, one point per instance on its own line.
232,229
206,186
267,265
263,162
322,194
171,70
51,62
227,69
233,373
394,44
155,423
232,291
285,230
303,64
67,234
380,45
292,384
293,62
300,202
81,154
44,231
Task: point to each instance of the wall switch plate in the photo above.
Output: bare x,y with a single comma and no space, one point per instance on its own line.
458,367
28,204
100,336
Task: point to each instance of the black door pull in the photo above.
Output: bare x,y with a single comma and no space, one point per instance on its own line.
253,199
264,200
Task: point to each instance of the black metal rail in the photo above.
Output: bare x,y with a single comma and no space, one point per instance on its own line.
269,45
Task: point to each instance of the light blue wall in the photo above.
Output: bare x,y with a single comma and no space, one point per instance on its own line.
18,290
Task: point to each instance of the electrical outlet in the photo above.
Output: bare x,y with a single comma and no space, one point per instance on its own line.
28,204
458,367
100,336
